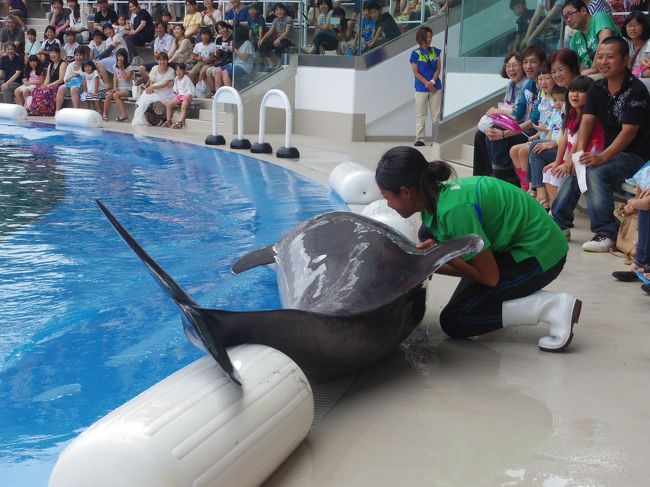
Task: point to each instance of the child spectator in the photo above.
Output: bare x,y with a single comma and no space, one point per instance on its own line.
276,40
92,85
386,28
552,128
425,65
204,55
184,91
242,61
523,14
122,24
367,27
98,45
77,23
563,166
72,80
33,77
70,45
256,23
121,86
47,45
32,46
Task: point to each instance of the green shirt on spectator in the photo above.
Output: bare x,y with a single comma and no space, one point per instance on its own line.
585,45
504,216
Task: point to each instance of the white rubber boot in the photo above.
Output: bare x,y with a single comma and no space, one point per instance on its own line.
559,310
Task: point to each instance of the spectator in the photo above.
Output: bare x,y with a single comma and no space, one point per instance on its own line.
141,31
44,96
386,28
210,16
104,15
524,15
637,32
367,27
499,140
31,45
565,67
589,32
514,71
77,24
192,19
59,19
93,88
223,53
18,10
98,45
204,56
181,50
72,81
322,16
48,44
425,65
11,68
156,94
33,77
335,31
70,45
166,17
184,91
12,34
121,86
276,40
105,59
238,13
256,23
243,58
621,103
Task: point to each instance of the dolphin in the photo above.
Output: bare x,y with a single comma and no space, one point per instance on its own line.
351,290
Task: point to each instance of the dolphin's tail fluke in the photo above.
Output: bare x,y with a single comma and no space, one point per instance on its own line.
199,325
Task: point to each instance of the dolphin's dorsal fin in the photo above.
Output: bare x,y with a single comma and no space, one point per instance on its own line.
263,256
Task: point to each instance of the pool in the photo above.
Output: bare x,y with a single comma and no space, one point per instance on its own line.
84,326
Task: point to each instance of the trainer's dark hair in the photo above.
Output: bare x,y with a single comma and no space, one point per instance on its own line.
421,34
623,46
642,19
508,57
406,167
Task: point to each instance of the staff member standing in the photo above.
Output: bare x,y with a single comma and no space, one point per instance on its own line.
523,249
425,63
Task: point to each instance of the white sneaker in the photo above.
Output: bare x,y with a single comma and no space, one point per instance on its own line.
599,243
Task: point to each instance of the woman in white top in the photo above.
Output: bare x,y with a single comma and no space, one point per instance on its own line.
121,86
184,90
637,31
72,80
157,92
77,24
243,55
210,16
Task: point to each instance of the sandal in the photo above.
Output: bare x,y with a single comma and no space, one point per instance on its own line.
167,124
178,125
104,118
544,203
122,118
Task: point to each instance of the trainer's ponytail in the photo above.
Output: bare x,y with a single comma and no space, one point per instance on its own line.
431,181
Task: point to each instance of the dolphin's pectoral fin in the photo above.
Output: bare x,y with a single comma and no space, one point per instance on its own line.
263,256
201,327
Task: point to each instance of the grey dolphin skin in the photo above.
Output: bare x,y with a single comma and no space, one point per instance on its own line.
351,289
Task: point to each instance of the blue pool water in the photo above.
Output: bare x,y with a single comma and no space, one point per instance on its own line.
83,327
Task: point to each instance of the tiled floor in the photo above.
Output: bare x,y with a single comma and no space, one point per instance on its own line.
493,411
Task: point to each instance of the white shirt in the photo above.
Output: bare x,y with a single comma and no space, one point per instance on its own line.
117,41
184,86
204,50
162,44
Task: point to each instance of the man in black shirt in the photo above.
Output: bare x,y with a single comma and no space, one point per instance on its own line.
386,28
105,15
11,69
621,103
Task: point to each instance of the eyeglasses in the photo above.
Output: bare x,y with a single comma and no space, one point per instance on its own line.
513,65
569,15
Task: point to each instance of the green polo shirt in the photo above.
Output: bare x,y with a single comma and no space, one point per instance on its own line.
585,45
507,219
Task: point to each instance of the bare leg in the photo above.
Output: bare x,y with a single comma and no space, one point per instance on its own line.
169,109
117,96
551,191
18,94
104,74
60,95
107,103
184,106
218,79
226,79
74,95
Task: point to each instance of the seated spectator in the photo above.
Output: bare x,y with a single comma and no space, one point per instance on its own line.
223,53
637,32
161,43
556,172
500,140
333,34
121,86
192,19
210,16
72,81
48,44
273,44
59,18
367,26
32,46
12,34
256,23
11,69
77,22
181,50
589,32
34,76
386,28
105,60
524,16
620,103
204,55
321,21
18,10
513,69
141,31
412,12
237,13
565,67
98,45
184,91
44,96
104,15
243,60
70,46
93,89
166,17
156,94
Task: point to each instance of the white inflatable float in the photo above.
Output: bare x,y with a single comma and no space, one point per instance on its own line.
379,210
354,183
197,428
78,117
10,111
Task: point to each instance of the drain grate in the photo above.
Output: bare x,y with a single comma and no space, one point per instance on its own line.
328,393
